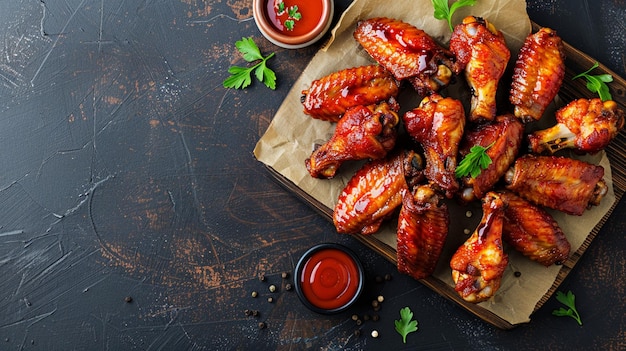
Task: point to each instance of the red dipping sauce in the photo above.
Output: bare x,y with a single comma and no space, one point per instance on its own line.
329,278
310,12
293,24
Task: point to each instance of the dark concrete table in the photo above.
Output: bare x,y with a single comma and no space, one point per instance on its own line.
133,215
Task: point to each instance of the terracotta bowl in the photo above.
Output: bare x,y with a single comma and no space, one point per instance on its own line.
281,39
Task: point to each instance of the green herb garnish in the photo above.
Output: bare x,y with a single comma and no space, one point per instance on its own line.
444,11
293,16
597,83
568,300
241,77
405,324
474,162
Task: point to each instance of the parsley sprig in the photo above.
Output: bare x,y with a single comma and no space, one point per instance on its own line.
597,83
474,162
405,324
568,300
445,11
241,77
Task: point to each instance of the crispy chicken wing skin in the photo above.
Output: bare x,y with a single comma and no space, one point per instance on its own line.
585,125
538,74
375,191
533,231
329,97
422,231
364,132
506,134
481,51
407,52
438,124
560,183
478,264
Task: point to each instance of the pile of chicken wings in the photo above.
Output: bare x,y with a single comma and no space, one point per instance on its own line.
523,178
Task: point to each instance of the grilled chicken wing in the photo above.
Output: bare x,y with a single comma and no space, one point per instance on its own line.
329,97
422,231
375,191
505,136
438,124
533,231
586,125
407,52
364,132
560,183
481,51
537,75
478,264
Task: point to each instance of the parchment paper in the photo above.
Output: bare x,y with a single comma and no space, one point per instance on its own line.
292,135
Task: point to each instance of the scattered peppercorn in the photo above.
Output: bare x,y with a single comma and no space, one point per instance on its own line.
387,277
262,277
255,313
272,288
270,299
128,299
375,318
355,317
357,332
261,325
247,312
468,214
374,333
375,303
366,317
466,231
254,294
285,275
359,322
288,287
517,274
380,298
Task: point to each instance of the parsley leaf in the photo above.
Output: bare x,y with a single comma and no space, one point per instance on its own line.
405,324
241,77
568,300
290,24
293,13
597,83
474,162
444,12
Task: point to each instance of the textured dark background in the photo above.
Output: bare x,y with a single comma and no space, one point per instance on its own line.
126,170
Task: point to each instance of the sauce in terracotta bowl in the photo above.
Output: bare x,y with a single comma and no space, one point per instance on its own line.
293,24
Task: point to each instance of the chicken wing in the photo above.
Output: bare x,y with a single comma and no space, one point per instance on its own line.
364,132
537,75
407,52
585,125
375,191
438,124
329,97
533,231
422,231
481,51
560,183
478,264
505,136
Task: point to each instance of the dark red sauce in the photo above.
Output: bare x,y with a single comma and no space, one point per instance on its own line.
310,11
330,279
